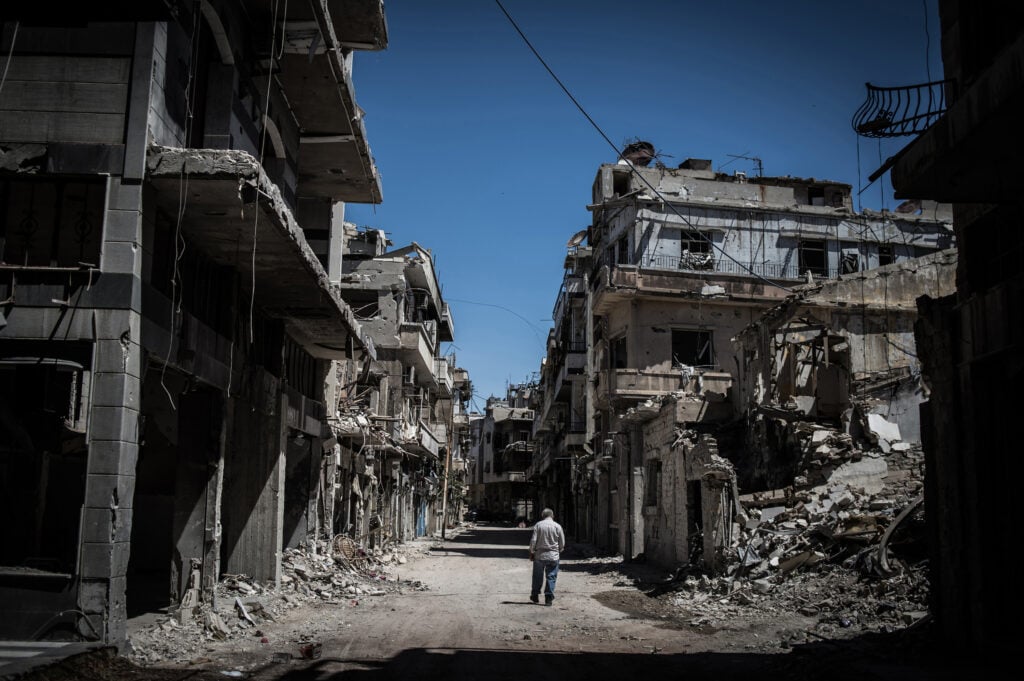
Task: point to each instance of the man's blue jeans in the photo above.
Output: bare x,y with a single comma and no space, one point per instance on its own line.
540,567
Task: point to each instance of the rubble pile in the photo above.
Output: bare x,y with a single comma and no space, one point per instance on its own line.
335,573
851,559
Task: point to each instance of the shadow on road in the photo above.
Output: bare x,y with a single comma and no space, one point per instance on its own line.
848,662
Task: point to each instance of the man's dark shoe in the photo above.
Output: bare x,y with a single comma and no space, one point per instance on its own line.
534,599
549,601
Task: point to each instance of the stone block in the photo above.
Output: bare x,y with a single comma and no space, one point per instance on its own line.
93,596
116,390
114,356
104,560
109,491
123,196
118,325
114,423
123,225
121,256
101,525
113,457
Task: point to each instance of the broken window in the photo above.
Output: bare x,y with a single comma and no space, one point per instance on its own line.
619,357
652,483
849,261
886,254
813,257
692,348
695,242
816,196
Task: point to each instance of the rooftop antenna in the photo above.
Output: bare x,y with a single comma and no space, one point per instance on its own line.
755,159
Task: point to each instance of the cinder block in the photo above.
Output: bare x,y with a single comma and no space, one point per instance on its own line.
113,457
114,423
109,491
121,256
116,390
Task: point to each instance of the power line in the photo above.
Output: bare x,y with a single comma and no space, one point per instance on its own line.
535,329
618,153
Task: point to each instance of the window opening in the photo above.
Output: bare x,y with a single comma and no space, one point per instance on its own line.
813,258
692,348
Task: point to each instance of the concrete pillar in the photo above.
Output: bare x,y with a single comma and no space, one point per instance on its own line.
336,242
113,423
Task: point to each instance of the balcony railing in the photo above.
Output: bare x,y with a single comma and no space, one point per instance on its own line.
897,111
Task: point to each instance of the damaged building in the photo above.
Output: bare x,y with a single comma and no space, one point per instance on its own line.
402,421
504,451
172,188
676,264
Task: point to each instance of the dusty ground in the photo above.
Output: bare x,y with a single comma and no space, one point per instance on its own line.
472,620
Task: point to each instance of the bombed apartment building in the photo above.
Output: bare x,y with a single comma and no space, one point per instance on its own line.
171,181
403,424
676,263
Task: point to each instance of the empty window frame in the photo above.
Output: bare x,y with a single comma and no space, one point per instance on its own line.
813,257
619,357
886,254
816,196
622,255
692,348
695,242
652,483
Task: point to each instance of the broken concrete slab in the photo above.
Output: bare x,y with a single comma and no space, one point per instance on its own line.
883,429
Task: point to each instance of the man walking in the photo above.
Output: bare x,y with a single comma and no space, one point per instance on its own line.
546,545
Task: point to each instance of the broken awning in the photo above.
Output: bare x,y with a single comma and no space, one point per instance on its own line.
220,219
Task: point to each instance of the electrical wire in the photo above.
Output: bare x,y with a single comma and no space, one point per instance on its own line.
536,330
10,54
618,153
927,43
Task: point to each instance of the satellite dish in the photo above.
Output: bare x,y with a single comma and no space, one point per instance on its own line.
577,238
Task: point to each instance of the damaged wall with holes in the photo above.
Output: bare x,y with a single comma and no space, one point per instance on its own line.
689,496
842,355
167,320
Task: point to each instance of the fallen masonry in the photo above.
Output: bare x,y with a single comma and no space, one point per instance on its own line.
326,572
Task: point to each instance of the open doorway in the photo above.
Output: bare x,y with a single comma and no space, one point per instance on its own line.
174,490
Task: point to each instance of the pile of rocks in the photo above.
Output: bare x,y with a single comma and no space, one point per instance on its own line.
242,606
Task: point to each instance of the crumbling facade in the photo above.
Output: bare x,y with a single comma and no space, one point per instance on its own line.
172,182
676,264
402,424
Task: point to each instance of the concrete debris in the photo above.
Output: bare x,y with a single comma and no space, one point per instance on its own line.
309,574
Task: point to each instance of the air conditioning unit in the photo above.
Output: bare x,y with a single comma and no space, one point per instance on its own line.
740,176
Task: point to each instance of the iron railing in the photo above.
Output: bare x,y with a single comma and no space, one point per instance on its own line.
897,111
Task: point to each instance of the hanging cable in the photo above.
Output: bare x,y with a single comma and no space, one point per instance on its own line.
927,43
619,155
10,54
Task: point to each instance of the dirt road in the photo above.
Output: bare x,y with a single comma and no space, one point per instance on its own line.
473,620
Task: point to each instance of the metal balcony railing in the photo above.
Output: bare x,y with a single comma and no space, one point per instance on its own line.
897,111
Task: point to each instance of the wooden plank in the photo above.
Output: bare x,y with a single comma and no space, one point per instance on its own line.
64,97
62,127
70,69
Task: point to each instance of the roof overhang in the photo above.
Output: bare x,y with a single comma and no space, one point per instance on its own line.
236,216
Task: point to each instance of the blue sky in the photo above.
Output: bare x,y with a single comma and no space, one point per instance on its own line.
487,163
